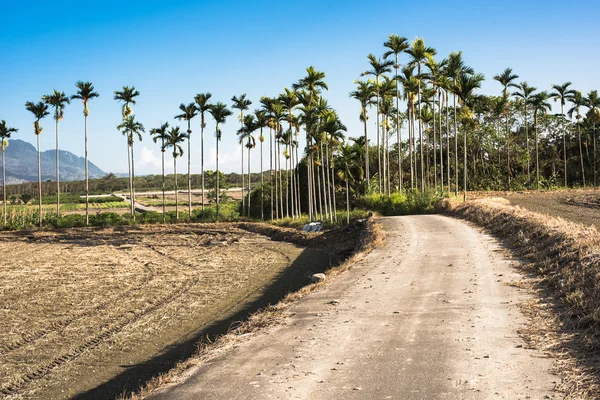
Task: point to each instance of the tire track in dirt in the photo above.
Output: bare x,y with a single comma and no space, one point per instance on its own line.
90,344
6,348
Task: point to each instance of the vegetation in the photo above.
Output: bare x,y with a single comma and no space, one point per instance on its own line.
448,137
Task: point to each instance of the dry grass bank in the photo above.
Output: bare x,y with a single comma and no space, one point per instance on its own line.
563,261
371,236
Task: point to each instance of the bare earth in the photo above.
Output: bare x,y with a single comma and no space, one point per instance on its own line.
431,315
89,312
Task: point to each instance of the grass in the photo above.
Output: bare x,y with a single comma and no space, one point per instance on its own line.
565,257
405,203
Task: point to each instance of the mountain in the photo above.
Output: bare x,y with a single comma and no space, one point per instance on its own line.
21,164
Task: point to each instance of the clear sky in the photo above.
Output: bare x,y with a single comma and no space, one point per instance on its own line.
171,50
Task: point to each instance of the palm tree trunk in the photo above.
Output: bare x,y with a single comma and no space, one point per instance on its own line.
262,180
595,155
217,179
537,155
433,147
320,193
333,186
411,125
280,179
202,160
243,182
39,178
3,184
133,181
249,183
347,202
562,112
528,151
328,183
447,139
441,141
271,167
130,184
508,169
87,188
287,187
465,164
176,189
455,150
57,178
398,128
367,155
580,153
421,131
384,155
378,144
163,181
299,203
189,172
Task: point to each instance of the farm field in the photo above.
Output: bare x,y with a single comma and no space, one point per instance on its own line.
576,205
89,311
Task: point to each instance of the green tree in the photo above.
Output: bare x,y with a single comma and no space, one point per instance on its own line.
39,111
5,133
219,112
364,93
540,105
203,105
162,134
174,139
131,129
506,79
242,104
261,122
187,113
564,94
85,92
525,93
593,103
59,101
578,101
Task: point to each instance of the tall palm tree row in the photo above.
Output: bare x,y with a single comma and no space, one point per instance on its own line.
162,134
173,140
187,113
39,111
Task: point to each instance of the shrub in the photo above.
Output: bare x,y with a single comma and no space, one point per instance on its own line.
108,219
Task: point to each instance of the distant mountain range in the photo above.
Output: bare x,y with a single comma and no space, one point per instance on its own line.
21,164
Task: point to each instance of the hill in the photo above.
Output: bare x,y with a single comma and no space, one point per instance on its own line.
21,164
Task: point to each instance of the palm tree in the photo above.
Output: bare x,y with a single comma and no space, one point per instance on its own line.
187,113
261,122
174,138
525,93
131,129
203,105
540,104
127,96
364,94
438,80
467,83
267,106
578,101
419,54
456,67
59,101
85,92
506,79
248,127
348,160
5,133
397,45
410,85
219,112
242,103
39,111
593,103
163,135
563,93
379,67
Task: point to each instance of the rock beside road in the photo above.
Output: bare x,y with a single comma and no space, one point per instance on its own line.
318,278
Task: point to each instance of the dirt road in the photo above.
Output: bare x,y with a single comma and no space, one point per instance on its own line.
431,315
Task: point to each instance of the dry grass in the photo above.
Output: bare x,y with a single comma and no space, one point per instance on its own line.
371,236
564,257
80,306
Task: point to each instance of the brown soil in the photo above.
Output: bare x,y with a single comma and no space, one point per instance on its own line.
92,313
576,205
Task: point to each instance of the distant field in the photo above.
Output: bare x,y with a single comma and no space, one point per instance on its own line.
577,205
80,307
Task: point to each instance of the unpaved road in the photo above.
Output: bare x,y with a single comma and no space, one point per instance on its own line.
430,315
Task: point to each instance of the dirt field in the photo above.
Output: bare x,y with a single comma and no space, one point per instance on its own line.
88,313
577,205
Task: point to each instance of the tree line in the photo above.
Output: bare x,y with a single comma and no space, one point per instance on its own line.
433,131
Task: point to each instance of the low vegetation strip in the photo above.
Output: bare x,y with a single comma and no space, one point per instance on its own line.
565,256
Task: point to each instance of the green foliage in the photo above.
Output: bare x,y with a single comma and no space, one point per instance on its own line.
26,197
410,202
228,212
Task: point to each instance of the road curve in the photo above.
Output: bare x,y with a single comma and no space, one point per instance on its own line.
427,316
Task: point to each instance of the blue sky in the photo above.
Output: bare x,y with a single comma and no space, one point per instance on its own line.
172,50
